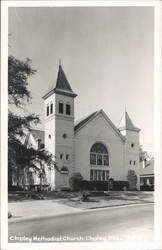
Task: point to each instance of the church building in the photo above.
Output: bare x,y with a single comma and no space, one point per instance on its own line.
92,146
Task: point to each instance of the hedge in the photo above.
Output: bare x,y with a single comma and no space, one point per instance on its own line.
120,185
75,180
146,187
102,185
94,185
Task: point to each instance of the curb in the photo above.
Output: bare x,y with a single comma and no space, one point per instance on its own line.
121,205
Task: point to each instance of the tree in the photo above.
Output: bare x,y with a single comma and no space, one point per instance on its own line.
19,156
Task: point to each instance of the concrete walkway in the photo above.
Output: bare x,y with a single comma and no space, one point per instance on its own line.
37,209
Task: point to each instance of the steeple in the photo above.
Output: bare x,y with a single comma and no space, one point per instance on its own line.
62,86
126,123
62,82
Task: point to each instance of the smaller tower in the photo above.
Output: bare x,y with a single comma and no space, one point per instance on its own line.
132,146
59,128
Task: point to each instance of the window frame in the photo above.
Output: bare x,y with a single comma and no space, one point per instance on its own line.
47,110
99,175
60,107
100,158
51,108
68,109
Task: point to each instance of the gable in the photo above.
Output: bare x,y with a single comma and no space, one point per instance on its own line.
98,123
32,138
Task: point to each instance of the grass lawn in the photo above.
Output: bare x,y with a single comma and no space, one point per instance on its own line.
96,199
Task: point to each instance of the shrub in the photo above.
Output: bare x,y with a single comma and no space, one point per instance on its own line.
94,185
146,187
120,185
15,188
85,196
111,184
75,181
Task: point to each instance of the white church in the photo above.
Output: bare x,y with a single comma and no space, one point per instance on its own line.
92,146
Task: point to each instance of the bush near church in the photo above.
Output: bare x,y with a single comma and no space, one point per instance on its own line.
75,180
94,185
120,185
103,185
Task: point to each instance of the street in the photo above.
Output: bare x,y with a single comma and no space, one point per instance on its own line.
127,223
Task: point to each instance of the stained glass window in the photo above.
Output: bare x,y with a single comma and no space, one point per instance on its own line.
99,155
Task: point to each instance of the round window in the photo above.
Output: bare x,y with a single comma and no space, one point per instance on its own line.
64,136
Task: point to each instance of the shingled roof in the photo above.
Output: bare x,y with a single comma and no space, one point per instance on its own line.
62,82
127,124
62,85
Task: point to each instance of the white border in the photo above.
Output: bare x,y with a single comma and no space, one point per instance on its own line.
157,126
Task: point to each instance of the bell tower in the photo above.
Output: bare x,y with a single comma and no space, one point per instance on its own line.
132,146
59,128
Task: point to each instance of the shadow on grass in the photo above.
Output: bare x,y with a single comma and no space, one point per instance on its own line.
80,200
47,196
76,196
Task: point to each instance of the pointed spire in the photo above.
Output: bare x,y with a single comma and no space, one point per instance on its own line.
62,86
62,82
126,123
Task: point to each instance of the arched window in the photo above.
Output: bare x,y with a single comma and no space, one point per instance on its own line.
51,108
47,110
64,170
99,155
61,107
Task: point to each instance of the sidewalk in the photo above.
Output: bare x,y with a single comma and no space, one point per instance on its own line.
37,209
31,209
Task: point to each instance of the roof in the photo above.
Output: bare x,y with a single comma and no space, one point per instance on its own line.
127,124
83,120
62,85
81,123
37,134
62,82
148,169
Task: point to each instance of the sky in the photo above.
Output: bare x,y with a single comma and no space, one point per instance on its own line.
107,54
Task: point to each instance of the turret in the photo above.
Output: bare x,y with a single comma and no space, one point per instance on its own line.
59,127
131,133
